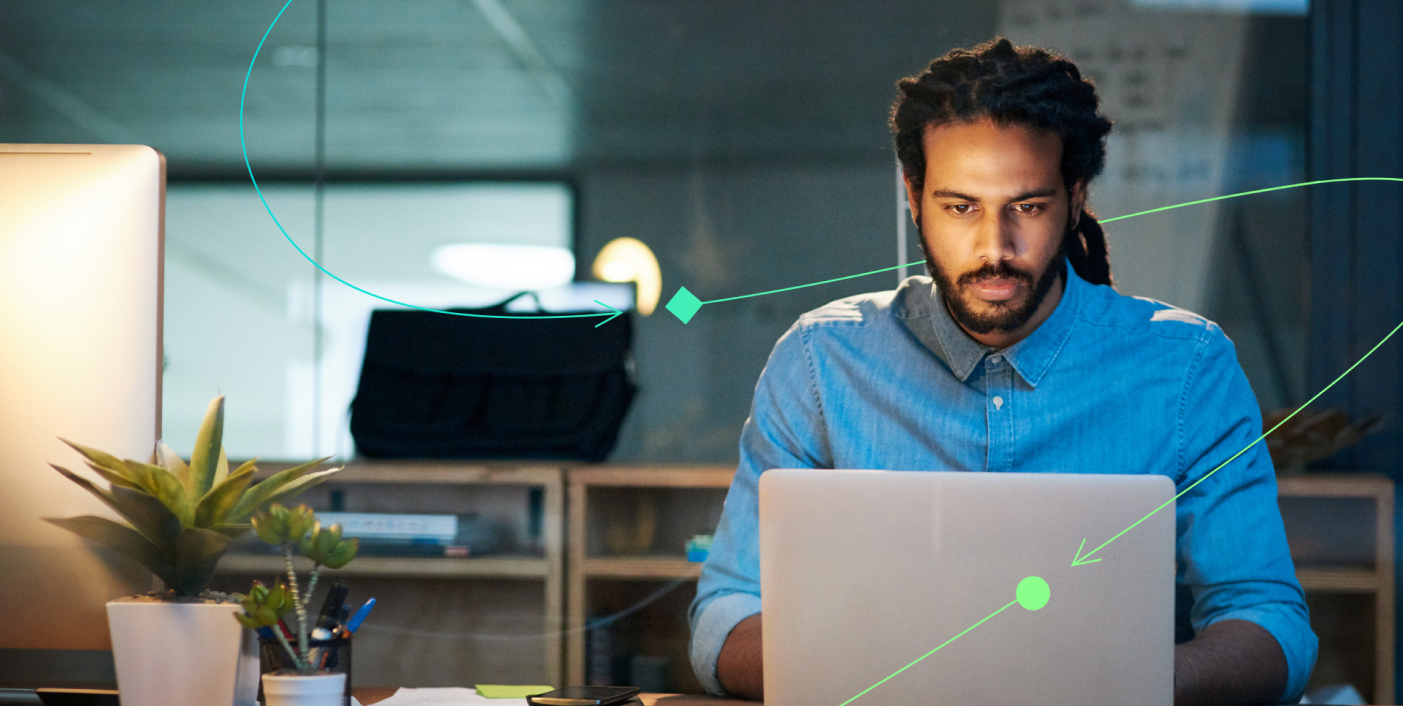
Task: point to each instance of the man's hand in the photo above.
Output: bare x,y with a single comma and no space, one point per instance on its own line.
739,667
1230,663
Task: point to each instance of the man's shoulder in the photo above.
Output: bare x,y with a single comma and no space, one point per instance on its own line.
1120,314
858,310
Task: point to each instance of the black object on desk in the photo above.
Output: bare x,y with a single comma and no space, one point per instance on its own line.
77,697
586,696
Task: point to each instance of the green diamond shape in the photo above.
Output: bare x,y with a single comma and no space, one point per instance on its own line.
684,305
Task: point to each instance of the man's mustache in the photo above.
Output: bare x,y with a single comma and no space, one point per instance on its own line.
991,271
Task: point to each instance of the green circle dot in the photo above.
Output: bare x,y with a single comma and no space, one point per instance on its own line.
1033,593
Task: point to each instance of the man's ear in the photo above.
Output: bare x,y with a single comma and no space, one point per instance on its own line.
913,198
1077,200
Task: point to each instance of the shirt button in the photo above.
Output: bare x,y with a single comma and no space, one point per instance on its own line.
995,359
998,402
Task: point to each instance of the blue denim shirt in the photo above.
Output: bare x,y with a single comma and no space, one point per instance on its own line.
1107,384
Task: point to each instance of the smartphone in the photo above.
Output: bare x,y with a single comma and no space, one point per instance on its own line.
584,696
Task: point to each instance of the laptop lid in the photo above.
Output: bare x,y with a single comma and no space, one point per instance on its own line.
884,587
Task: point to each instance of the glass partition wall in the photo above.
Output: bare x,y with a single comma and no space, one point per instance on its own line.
245,308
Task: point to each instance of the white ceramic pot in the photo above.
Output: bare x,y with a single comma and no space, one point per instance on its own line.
297,690
179,654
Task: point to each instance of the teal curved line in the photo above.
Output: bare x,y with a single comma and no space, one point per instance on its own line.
1104,220
1249,193
244,146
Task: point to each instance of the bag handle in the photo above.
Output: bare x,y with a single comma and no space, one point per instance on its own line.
503,304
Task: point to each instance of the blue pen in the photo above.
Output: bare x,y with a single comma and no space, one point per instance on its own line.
359,617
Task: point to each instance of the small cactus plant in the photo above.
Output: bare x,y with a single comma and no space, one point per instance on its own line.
293,529
181,517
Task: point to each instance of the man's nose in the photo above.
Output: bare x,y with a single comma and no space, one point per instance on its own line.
994,241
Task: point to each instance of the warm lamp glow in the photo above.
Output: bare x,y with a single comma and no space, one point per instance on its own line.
629,260
514,267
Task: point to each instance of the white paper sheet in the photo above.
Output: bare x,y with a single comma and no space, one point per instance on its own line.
446,696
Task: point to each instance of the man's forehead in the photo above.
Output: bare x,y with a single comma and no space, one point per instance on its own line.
993,159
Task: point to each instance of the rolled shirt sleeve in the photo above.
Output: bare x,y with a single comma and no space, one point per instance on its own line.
784,430
1231,545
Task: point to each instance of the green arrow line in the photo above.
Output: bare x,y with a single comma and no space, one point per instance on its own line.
1106,220
1249,193
918,659
243,145
1082,559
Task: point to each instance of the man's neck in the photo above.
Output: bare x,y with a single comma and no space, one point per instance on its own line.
1003,339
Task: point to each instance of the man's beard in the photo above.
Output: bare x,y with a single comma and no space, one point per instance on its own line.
998,316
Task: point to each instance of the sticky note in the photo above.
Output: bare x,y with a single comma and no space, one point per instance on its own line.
501,691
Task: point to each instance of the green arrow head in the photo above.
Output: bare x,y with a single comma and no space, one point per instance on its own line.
610,308
1078,560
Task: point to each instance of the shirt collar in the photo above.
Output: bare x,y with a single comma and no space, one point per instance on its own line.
927,318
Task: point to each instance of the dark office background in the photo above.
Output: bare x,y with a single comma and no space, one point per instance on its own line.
746,144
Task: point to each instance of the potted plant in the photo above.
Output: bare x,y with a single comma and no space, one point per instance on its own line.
309,681
178,647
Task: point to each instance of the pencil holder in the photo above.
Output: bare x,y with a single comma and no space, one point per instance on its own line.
332,655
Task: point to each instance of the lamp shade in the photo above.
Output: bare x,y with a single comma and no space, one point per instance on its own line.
629,260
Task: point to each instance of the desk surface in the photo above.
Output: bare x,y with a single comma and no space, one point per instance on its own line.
370,695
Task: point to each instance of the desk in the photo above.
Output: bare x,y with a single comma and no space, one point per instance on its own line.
370,695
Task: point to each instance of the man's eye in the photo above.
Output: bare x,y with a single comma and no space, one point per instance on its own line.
1029,208
960,208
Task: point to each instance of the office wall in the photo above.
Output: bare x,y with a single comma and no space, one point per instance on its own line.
721,230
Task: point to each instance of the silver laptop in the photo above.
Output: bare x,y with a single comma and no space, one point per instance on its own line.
866,576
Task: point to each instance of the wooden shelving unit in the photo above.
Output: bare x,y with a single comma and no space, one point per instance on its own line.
662,567
588,493
428,592
1340,527
447,568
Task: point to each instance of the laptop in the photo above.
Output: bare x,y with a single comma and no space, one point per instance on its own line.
866,576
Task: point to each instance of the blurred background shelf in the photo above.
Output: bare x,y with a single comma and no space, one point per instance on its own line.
446,621
661,567
409,567
629,580
1340,530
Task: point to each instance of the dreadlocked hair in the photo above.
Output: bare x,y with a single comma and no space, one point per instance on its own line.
1023,86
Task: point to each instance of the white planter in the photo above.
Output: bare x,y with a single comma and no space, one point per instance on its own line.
181,654
294,690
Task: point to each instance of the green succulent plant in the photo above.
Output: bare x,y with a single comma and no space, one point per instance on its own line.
181,517
325,546
294,529
264,607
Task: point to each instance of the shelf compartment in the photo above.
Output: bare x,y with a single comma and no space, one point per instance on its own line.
642,567
407,567
1338,579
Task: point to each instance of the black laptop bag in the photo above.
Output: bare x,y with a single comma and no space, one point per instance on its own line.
435,385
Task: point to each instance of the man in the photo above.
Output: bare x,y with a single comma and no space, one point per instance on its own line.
1007,359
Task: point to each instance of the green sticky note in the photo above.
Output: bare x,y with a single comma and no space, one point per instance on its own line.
501,691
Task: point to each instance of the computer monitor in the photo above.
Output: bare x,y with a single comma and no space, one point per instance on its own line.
80,357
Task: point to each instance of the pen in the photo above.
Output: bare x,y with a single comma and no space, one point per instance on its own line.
359,617
331,607
329,616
